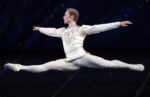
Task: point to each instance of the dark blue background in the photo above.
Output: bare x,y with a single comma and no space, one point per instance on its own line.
17,17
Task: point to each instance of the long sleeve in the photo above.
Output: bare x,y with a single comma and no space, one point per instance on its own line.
52,31
87,29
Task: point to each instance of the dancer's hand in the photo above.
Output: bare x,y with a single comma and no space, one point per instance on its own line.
125,23
35,28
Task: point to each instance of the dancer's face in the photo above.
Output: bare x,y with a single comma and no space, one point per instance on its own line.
67,18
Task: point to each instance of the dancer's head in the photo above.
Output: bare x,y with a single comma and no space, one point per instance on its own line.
70,15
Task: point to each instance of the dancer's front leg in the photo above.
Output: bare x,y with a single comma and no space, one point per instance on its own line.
52,65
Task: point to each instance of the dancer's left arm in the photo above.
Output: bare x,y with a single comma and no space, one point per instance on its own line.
86,29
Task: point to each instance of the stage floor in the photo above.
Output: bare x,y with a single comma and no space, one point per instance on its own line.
82,83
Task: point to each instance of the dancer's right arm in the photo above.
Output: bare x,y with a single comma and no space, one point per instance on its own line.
49,31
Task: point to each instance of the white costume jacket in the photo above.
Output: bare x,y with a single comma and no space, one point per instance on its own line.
73,37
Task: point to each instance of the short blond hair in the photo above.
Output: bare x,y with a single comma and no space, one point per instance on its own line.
73,12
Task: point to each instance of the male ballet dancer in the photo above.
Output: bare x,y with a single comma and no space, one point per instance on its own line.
72,38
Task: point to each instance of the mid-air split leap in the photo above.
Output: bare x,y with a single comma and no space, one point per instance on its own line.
76,57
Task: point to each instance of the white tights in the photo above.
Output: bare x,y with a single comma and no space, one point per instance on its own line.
88,60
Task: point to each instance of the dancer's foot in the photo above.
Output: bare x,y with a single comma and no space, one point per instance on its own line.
138,67
14,67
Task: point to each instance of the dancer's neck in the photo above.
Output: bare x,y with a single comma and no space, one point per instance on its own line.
72,24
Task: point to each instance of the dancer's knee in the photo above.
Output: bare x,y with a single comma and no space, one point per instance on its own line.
60,67
116,61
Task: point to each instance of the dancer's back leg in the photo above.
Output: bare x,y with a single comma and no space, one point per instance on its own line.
93,61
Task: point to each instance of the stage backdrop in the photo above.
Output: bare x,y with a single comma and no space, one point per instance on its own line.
17,17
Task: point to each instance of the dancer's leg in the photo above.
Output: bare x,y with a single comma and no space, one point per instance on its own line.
52,65
95,62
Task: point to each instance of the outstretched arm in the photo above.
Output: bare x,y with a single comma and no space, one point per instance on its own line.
103,27
49,31
125,23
